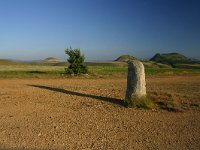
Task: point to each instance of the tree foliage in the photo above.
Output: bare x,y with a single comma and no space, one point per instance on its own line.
76,60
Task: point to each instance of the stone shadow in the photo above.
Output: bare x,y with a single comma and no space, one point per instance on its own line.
118,102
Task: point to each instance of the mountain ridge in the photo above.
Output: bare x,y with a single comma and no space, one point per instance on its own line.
172,59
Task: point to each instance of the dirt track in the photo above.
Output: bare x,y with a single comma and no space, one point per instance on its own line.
89,114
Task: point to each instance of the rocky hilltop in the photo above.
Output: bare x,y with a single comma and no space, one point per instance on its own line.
51,60
125,58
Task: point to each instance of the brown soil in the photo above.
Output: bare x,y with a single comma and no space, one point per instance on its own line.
89,114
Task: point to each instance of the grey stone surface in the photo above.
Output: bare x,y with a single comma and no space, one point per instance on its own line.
136,84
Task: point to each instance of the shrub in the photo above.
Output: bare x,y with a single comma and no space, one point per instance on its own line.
76,60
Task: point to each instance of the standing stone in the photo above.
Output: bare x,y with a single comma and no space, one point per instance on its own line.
136,85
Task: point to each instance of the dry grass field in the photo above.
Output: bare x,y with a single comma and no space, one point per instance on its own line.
76,113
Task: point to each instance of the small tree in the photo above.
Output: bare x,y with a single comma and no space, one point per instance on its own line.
76,60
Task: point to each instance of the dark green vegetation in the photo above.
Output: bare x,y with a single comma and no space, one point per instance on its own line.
76,60
172,59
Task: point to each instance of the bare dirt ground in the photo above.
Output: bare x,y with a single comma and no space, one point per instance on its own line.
89,114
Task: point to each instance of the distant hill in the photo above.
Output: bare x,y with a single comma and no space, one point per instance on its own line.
172,59
148,64
152,64
11,62
126,58
51,60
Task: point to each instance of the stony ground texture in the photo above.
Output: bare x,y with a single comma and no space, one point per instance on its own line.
89,114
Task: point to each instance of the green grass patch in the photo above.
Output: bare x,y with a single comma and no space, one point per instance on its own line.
152,71
142,102
30,74
108,69
103,70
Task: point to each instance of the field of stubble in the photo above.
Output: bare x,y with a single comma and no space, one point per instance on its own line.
75,114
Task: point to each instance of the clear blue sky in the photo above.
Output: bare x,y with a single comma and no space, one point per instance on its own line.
102,29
